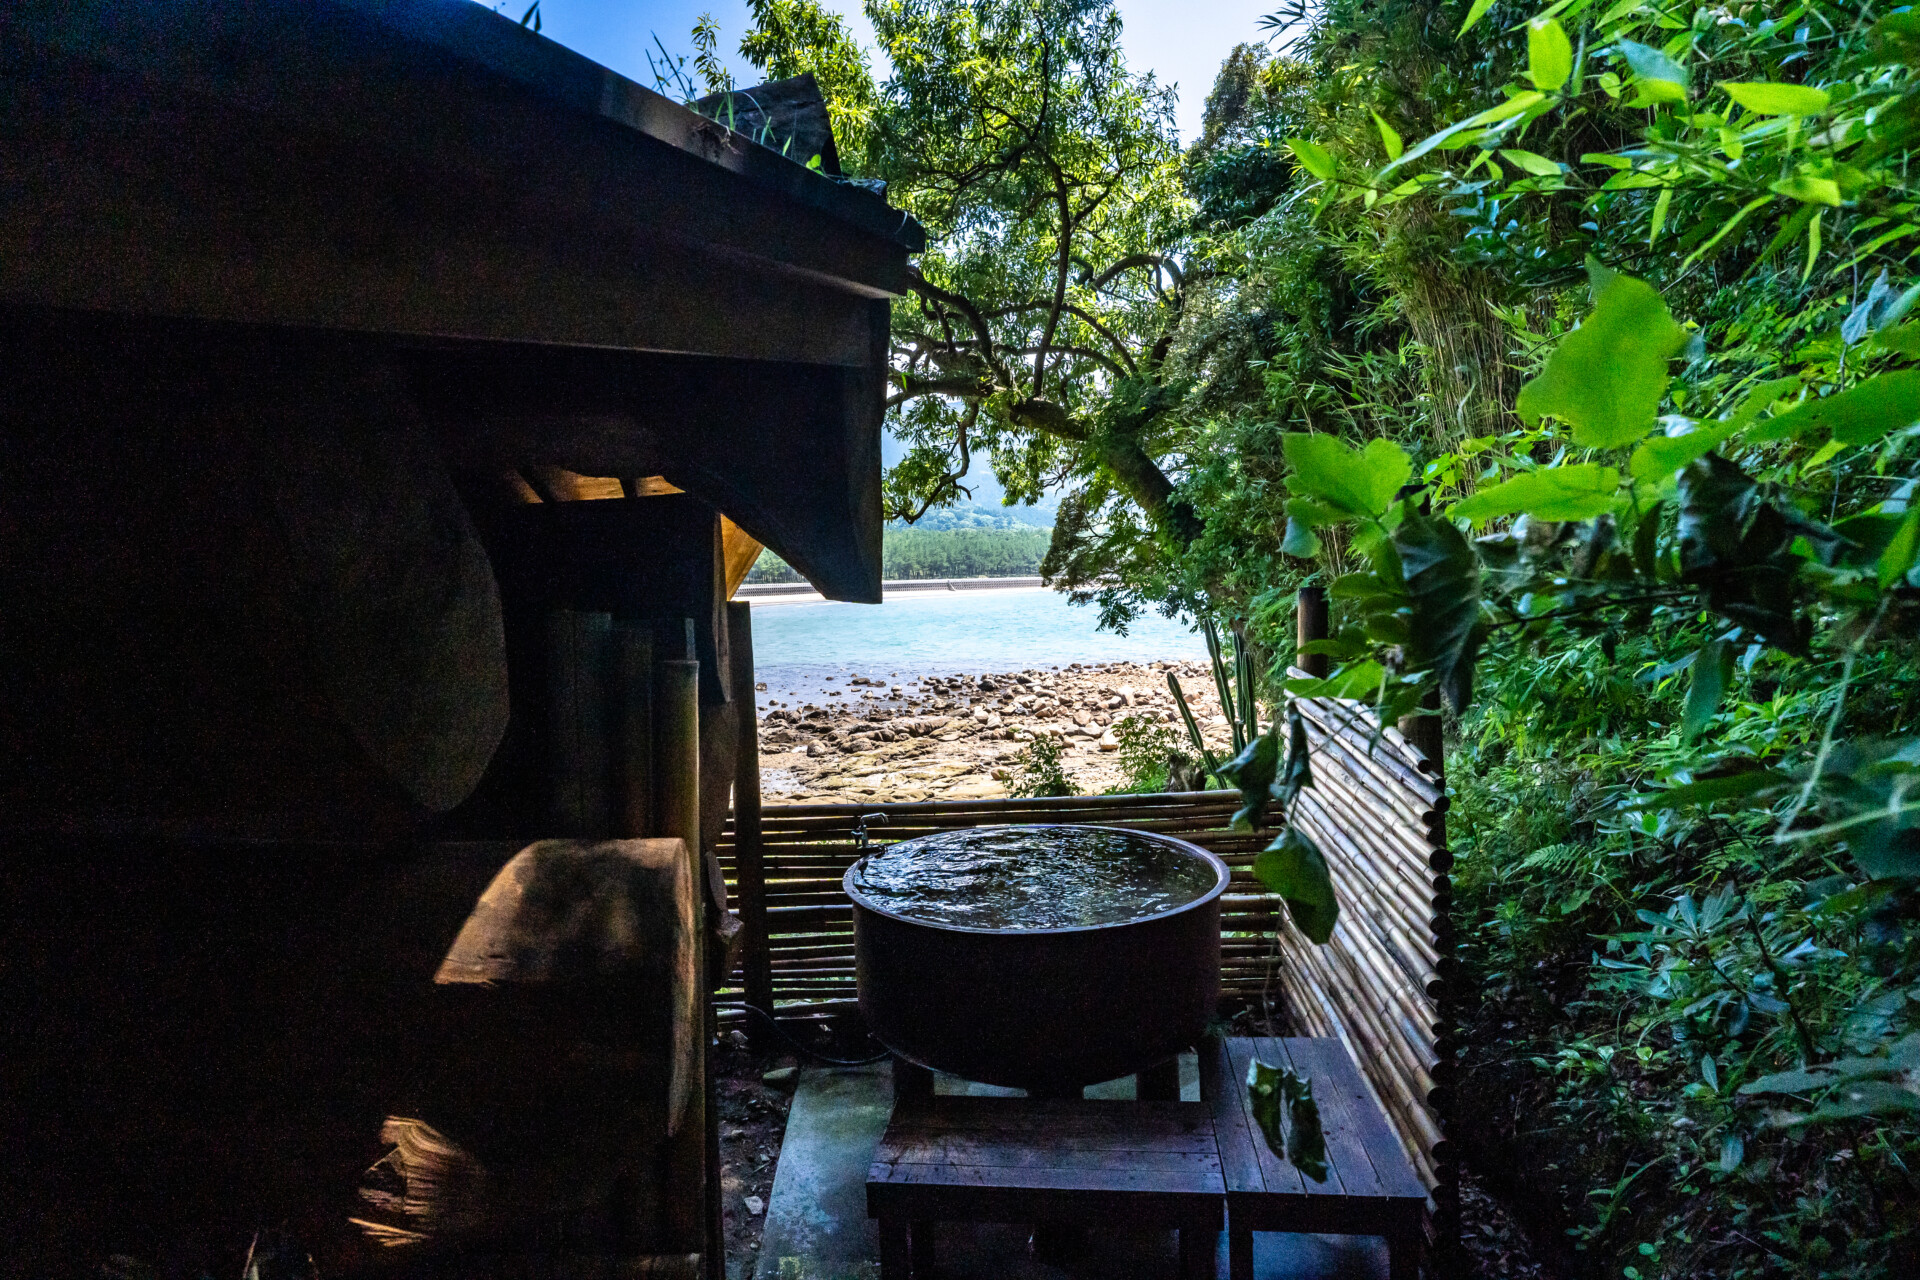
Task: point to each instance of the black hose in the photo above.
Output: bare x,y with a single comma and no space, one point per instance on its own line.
815,1054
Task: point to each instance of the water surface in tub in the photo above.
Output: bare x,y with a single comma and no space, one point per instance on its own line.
1032,878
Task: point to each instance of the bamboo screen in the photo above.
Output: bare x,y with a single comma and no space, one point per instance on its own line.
1373,808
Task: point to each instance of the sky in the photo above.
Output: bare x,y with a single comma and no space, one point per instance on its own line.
1182,41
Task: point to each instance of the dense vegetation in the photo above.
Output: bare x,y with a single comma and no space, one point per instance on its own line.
939,553
1569,349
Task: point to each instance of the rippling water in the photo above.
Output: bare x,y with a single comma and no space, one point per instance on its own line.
1031,878
798,646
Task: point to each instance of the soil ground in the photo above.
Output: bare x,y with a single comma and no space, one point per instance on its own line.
958,737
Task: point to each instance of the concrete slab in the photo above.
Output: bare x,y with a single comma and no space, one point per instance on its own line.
817,1225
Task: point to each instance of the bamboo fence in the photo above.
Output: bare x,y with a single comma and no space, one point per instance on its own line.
1376,808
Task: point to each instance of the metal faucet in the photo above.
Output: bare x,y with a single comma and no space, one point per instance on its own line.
861,840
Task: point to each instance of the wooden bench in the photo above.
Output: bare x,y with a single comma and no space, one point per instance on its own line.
1370,1188
1066,1162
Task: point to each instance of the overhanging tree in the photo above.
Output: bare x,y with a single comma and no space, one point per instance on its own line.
1043,315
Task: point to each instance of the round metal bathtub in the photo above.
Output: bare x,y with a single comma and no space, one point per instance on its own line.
1041,1009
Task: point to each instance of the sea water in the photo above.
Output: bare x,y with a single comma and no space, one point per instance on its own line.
802,650
1031,878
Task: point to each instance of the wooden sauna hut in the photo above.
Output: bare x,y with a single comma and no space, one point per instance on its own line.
392,399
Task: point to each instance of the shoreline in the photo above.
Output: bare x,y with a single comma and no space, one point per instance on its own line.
958,736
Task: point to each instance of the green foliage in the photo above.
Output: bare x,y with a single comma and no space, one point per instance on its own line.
1039,770
938,553
1606,379
963,553
794,37
1147,748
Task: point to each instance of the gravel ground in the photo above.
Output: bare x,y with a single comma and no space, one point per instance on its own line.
957,737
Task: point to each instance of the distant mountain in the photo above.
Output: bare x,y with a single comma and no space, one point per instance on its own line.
974,515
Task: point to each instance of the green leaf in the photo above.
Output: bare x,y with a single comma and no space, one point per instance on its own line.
1760,786
1514,106
1661,456
1537,165
1293,867
1858,416
1606,379
1576,491
1297,775
1442,577
1252,773
1712,669
1474,15
1808,189
1767,99
1904,338
1300,541
1362,482
1356,680
1549,54
1650,64
1315,158
1899,555
1389,138
1283,1106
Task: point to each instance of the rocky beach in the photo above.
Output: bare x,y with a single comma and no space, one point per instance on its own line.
880,737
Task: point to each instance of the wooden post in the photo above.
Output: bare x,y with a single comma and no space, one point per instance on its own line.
750,855
1310,615
579,647
690,1180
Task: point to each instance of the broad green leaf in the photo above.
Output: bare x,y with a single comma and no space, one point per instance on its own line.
1549,54
1606,379
1293,867
1300,541
1650,64
1661,456
1252,773
1575,491
1313,515
1712,668
1757,786
1474,15
1389,138
1361,482
1904,338
1355,681
1755,401
1808,190
1297,774
1767,99
1900,552
1315,158
1858,416
1537,165
1442,577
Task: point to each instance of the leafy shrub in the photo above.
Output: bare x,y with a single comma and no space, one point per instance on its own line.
1146,747
1039,771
